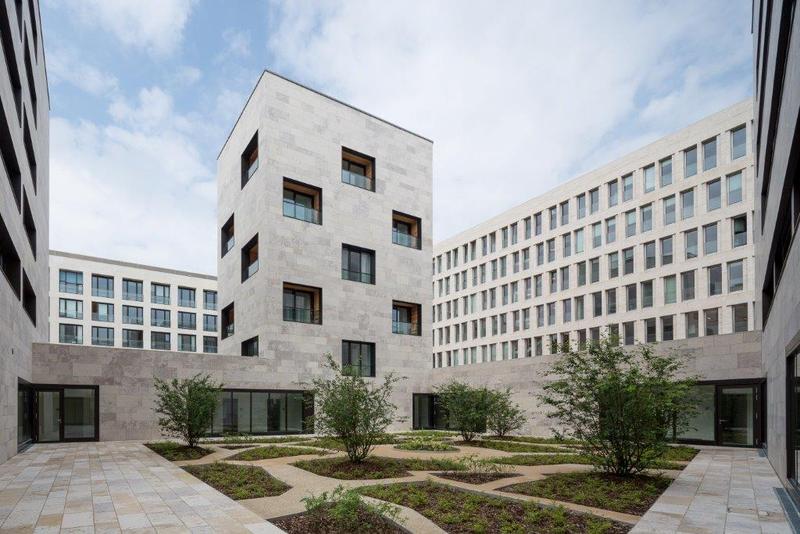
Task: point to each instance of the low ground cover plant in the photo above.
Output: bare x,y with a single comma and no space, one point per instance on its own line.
176,452
254,440
374,467
477,471
543,459
509,446
238,481
273,451
425,444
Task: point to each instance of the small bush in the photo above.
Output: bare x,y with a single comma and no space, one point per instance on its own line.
343,506
186,407
425,444
176,452
504,416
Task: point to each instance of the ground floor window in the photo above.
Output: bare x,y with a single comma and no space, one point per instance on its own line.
262,412
54,413
793,419
427,414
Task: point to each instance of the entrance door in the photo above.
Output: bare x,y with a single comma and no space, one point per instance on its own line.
48,415
737,416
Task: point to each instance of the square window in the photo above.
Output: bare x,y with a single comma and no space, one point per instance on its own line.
358,169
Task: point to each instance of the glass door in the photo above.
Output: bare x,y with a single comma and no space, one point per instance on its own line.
48,412
737,416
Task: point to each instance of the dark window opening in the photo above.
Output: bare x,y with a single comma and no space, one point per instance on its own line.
358,264
250,160
31,81
406,230
227,239
28,298
9,259
302,201
250,258
406,318
10,56
302,304
27,222
250,347
358,169
9,156
227,319
358,358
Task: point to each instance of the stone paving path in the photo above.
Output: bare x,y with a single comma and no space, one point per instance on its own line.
723,490
112,487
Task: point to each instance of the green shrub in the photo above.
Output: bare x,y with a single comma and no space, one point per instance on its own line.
425,444
186,407
343,505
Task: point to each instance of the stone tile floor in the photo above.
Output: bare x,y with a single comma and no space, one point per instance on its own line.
723,490
112,487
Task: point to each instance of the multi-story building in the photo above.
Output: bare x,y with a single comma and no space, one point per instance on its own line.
325,237
776,37
656,246
24,201
109,303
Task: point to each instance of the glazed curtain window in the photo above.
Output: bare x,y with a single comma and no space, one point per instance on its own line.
740,323
738,142
70,333
102,336
249,260
302,304
187,343
665,167
735,188
687,285
690,162
102,311
250,160
209,299
647,219
739,231
712,321
358,264
159,293
735,276
209,323
627,187
132,339
710,154
406,318
186,297
714,280
132,290
649,254
102,286
132,314
187,320
710,238
359,358
70,282
690,243
209,344
70,309
406,230
302,201
649,175
227,237
250,347
159,340
581,206
714,195
669,209
613,193
687,204
358,169
159,318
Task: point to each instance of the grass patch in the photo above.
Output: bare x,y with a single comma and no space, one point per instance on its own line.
474,478
425,444
429,434
323,521
265,453
679,453
534,439
244,440
630,495
458,511
336,444
508,446
176,452
374,467
542,459
238,481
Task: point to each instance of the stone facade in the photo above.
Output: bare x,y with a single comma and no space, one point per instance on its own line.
24,195
300,136
147,275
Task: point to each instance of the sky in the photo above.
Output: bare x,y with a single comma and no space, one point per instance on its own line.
518,97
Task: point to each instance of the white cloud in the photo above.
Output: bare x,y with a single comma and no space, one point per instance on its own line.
518,97
153,25
187,75
63,65
237,43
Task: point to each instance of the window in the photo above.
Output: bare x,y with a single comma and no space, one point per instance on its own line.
187,320
227,317
687,204
714,194
564,208
649,173
739,317
102,286
738,142
690,162
209,323
649,254
669,209
714,280
710,154
566,310
103,337
710,238
613,265
159,293
627,261
566,246
665,168
650,330
735,276
628,333
553,276
358,169
28,144
528,229
227,239
68,281
358,358
102,311
712,321
690,243
739,228
28,224
70,333
132,290
406,318
611,301
667,328
594,270
132,314
210,344
579,311
611,229
406,230
613,193
132,339
160,341
250,347
670,290
647,294
687,285
581,205
209,299
302,304
581,273
553,217
692,324
250,160
597,304
249,264
594,200
28,299
551,250
647,218
627,187
735,188
630,297
302,201
579,241
597,235
666,250
159,318
70,309
537,225
358,264
630,223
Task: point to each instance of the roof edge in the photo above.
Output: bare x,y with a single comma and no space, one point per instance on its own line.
121,263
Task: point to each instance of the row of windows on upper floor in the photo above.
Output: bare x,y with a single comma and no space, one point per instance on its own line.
15,275
637,296
560,343
104,312
520,261
303,304
561,212
103,286
358,357
133,339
